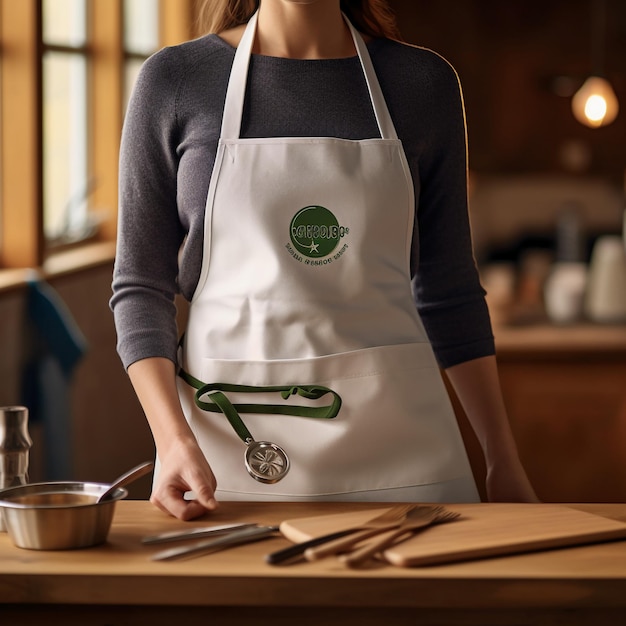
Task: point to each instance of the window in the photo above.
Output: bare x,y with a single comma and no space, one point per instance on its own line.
66,70
66,134
141,38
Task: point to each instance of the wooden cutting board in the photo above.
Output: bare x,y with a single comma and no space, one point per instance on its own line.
483,530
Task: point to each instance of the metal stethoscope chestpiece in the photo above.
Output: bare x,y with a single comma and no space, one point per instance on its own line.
265,461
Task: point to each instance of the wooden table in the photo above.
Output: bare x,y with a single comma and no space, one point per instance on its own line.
118,584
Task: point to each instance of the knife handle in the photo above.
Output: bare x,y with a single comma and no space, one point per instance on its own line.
297,550
341,544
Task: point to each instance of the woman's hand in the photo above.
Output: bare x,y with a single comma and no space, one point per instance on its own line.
184,468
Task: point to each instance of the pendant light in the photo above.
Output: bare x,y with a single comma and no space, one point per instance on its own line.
595,103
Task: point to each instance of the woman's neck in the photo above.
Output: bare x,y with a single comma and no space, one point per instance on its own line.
302,30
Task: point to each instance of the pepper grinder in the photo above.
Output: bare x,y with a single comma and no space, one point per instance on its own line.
15,443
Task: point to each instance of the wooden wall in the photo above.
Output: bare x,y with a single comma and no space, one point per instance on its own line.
509,55
108,433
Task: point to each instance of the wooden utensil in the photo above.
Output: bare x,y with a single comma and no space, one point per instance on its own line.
343,544
418,518
394,514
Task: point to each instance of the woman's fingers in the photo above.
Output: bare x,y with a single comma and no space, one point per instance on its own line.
186,493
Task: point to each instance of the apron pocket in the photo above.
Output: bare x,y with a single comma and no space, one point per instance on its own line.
395,427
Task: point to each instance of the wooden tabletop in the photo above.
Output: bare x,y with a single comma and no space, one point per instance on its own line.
586,584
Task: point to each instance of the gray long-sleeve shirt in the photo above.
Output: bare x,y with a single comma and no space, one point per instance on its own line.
168,148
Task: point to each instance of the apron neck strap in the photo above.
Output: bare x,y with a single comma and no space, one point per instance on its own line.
235,94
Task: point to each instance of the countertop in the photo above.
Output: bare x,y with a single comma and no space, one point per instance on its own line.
117,583
552,340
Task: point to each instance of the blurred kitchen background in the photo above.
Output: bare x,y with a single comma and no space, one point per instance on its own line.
547,195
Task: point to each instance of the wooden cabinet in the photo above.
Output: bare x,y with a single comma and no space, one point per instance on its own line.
565,392
569,419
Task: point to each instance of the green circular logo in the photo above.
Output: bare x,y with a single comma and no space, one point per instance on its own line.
315,231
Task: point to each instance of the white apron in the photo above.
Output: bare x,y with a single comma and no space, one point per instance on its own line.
305,281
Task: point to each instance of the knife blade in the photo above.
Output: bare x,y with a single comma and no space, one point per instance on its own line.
235,538
194,533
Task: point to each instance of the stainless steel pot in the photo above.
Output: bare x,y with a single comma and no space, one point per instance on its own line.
58,515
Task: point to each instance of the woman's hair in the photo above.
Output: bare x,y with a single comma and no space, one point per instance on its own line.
371,17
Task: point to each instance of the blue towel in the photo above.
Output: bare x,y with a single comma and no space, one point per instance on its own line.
56,346
54,324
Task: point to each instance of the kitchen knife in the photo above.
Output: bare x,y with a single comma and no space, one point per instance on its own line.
235,538
194,533
297,550
392,516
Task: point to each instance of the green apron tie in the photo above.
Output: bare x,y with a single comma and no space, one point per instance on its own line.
216,402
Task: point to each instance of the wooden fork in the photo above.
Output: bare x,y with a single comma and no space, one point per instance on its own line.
393,515
417,519
387,521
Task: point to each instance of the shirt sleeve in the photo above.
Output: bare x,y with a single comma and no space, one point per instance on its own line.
446,284
149,230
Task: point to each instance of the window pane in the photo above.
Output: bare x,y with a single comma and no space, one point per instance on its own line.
141,26
64,22
132,69
65,145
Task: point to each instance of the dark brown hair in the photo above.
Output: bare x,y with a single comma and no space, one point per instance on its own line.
371,17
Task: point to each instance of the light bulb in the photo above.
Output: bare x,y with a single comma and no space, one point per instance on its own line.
595,103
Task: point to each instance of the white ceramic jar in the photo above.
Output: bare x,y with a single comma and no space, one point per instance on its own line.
605,300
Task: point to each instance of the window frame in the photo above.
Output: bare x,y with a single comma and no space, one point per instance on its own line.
22,130
22,243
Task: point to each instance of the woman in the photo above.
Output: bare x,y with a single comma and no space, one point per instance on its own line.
306,191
